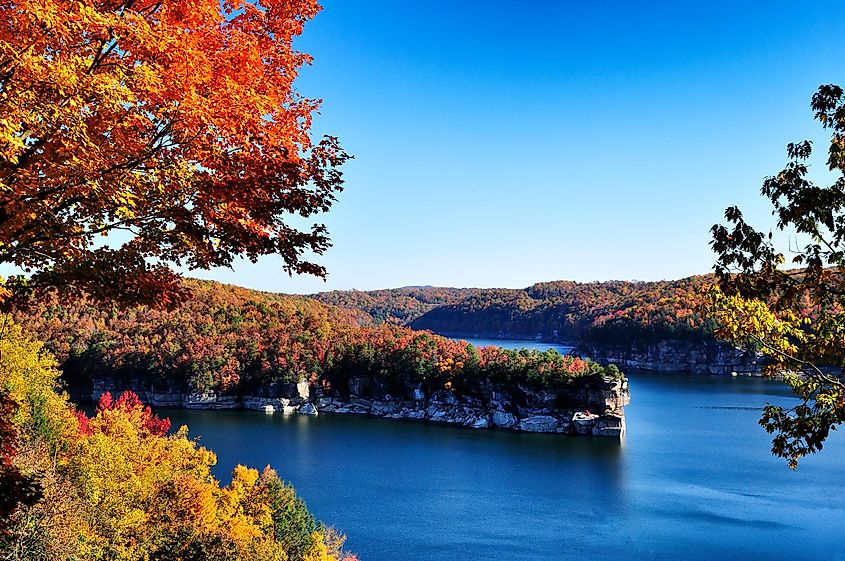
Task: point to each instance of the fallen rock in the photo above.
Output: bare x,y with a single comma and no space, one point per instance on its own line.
503,419
584,422
307,408
609,425
481,423
381,408
538,423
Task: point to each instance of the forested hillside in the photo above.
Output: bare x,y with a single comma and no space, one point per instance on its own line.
397,305
121,485
596,312
234,341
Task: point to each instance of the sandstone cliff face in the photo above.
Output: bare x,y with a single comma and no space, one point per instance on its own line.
589,406
709,357
283,397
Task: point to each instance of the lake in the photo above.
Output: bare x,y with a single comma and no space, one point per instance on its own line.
514,344
692,480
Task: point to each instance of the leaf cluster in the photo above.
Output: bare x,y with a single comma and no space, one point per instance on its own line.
795,315
138,135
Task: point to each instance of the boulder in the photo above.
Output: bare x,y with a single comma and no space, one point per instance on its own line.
324,402
307,408
538,423
481,423
584,422
503,419
361,402
437,415
382,408
286,407
609,425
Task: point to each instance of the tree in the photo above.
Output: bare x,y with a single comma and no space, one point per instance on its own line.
293,525
120,485
16,488
171,127
796,317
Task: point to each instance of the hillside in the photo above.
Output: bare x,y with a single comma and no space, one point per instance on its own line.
396,305
621,312
227,340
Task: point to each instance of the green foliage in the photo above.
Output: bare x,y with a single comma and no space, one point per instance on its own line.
795,316
293,525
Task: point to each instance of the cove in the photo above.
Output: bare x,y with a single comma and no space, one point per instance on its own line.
693,479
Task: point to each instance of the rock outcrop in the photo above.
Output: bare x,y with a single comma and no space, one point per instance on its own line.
586,406
707,357
590,406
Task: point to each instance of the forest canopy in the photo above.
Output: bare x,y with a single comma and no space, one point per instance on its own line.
137,135
231,340
613,312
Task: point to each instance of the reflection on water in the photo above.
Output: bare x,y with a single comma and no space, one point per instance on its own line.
693,479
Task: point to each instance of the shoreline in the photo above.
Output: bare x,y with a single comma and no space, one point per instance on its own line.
592,406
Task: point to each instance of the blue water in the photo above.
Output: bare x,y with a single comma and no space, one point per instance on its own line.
512,344
692,480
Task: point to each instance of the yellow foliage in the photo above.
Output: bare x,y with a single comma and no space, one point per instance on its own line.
115,489
29,376
743,320
318,551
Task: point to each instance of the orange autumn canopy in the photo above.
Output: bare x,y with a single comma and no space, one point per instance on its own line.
169,126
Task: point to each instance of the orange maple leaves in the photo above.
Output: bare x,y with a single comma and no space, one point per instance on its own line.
171,123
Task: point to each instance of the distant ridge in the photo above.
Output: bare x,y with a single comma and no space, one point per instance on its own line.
622,312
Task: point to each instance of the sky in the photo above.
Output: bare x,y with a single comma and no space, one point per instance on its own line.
499,144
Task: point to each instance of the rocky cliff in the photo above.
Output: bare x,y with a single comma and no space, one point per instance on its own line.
589,406
586,406
707,357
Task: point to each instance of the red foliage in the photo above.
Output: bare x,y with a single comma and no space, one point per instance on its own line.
232,340
82,419
128,402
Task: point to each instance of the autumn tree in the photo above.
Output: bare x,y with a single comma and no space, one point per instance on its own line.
120,485
795,316
17,489
140,134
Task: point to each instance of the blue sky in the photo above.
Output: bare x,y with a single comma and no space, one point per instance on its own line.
506,143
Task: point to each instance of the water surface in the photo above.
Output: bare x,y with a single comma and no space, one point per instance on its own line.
692,480
517,344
